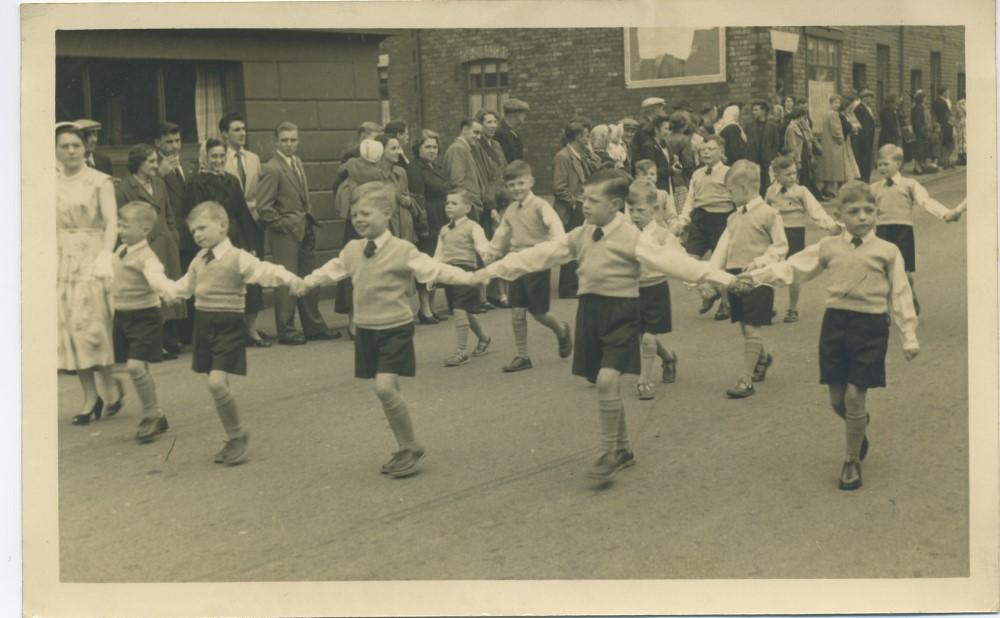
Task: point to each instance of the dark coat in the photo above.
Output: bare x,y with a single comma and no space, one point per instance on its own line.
763,143
891,132
225,189
736,146
177,190
510,142
102,163
429,187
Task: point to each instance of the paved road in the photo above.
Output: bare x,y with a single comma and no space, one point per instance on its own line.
723,489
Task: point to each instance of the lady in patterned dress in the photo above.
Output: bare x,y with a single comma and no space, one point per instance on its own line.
87,228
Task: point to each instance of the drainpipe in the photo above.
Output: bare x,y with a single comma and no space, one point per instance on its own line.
420,78
901,63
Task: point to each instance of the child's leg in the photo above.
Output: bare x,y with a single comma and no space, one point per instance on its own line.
519,321
648,346
225,403
477,328
386,388
138,370
549,321
856,420
916,304
837,392
462,322
612,410
753,348
425,302
662,351
793,297
250,319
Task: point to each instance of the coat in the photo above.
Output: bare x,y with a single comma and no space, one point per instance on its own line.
891,132
510,142
283,200
491,161
407,215
797,139
177,190
225,189
736,146
763,143
463,171
831,167
163,237
429,186
568,175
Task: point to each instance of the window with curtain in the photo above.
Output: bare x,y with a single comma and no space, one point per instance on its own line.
131,97
823,60
488,85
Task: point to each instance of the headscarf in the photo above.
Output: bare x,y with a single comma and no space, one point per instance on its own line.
731,115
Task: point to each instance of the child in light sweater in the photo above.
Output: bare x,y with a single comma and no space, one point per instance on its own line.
610,252
866,279
217,278
139,284
382,267
754,236
460,242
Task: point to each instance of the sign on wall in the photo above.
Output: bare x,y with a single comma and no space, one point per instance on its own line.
674,56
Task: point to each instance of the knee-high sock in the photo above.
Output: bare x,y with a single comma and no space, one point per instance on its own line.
225,406
855,424
462,329
146,389
753,349
477,327
611,416
623,441
519,320
398,415
647,347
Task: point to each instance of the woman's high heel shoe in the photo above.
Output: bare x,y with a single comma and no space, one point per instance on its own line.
84,419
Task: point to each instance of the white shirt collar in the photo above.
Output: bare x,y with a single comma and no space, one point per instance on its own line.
381,239
459,220
754,203
847,236
131,248
289,160
612,225
896,178
650,227
221,249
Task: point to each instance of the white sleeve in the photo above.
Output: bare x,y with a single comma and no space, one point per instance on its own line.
542,256
799,268
331,272
922,198
672,260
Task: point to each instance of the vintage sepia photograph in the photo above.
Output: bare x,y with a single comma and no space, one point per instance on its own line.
529,303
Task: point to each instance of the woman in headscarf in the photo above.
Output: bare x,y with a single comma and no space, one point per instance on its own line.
213,184
730,130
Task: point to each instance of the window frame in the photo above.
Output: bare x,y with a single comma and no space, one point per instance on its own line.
633,84
501,89
837,45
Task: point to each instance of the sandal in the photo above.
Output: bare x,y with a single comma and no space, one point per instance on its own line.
645,390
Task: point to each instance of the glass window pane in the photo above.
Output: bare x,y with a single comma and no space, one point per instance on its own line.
491,80
125,100
490,67
69,89
179,86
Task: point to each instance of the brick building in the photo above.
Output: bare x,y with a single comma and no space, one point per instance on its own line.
325,81
432,78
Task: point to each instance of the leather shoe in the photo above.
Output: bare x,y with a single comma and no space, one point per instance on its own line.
326,335
295,339
519,363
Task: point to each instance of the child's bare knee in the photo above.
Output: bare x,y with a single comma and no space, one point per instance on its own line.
218,384
384,389
136,368
607,382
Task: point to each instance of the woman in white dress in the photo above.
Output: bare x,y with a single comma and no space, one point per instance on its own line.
87,228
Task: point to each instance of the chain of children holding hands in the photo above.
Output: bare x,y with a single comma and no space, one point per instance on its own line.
623,262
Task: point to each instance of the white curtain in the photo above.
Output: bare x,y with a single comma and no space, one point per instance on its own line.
209,101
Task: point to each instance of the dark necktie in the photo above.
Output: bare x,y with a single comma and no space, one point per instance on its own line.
298,172
889,182
598,234
124,251
370,249
209,256
241,170
784,189
855,241
743,209
451,225
708,170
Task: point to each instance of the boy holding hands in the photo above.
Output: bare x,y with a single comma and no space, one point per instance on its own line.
793,202
895,198
460,242
382,268
610,253
217,278
137,333
866,280
754,237
528,221
705,212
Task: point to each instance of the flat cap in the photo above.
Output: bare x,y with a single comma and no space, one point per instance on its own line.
652,102
86,124
631,123
515,105
866,93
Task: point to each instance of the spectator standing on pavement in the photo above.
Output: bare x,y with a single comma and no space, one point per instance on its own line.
864,141
515,115
679,144
569,172
617,147
398,129
763,141
629,128
960,137
804,150
921,124
733,136
460,164
92,135
492,162
645,135
942,111
891,129
832,168
429,186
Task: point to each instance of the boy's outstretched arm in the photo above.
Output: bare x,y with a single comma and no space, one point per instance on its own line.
904,316
799,268
672,260
542,256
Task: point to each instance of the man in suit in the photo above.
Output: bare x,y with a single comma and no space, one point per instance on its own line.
240,162
92,132
515,114
172,171
284,211
763,141
461,167
864,141
941,110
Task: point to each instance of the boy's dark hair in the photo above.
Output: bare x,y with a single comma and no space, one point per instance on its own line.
782,163
761,103
615,183
463,194
721,143
643,165
572,131
516,169
229,119
167,128
853,192
394,128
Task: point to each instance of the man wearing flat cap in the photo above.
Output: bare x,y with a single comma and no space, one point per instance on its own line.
644,140
864,141
515,114
92,132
